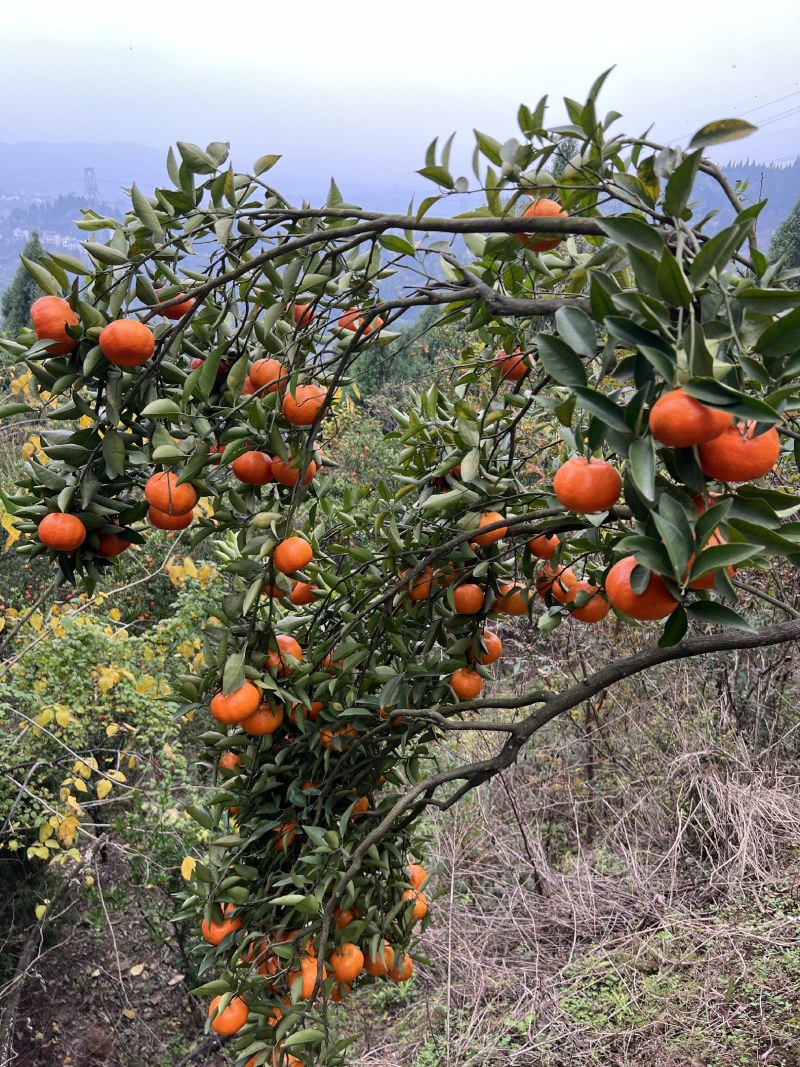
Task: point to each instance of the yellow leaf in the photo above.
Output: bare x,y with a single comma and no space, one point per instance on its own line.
176,574
103,788
66,831
83,769
187,867
39,851
114,614
131,762
116,776
85,421
136,970
80,785
45,717
63,717
129,1013
11,529
112,730
41,911
45,831
189,566
40,685
169,752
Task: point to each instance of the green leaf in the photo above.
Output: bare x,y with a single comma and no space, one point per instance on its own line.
717,251
7,410
264,163
717,556
470,465
769,301
631,230
309,1036
722,396
721,130
233,674
780,337
195,159
671,283
649,553
43,278
105,254
674,628
113,449
69,263
161,409
561,363
490,147
438,175
605,410
679,186
708,611
577,329
145,211
643,468
392,243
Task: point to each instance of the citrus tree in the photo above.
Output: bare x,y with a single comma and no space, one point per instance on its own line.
613,443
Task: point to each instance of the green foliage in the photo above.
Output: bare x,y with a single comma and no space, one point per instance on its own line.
16,301
785,246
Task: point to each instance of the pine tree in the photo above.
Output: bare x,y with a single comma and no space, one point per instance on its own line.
786,243
18,297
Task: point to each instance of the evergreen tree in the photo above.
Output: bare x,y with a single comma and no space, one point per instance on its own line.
18,297
786,243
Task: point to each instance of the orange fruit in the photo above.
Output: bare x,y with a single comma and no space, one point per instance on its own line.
231,1019
127,343
353,320
379,964
229,762
512,598
654,603
253,468
339,992
292,555
247,386
468,599
541,209
708,581
486,519
286,835
593,610
62,533
678,420
360,806
162,521
305,406
543,547
177,311
335,739
236,706
466,683
512,367
420,903
308,976
492,647
287,646
111,545
416,874
557,581
422,585
215,932
346,962
289,473
302,593
736,455
162,492
342,918
264,720
303,314
268,376
402,970
587,485
50,316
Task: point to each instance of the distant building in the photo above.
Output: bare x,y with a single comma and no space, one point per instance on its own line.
21,235
50,237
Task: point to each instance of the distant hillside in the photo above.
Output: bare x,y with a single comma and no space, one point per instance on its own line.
43,169
779,186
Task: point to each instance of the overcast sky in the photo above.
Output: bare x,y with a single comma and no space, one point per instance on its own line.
353,88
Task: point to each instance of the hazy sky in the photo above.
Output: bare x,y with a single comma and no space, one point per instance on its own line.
355,88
